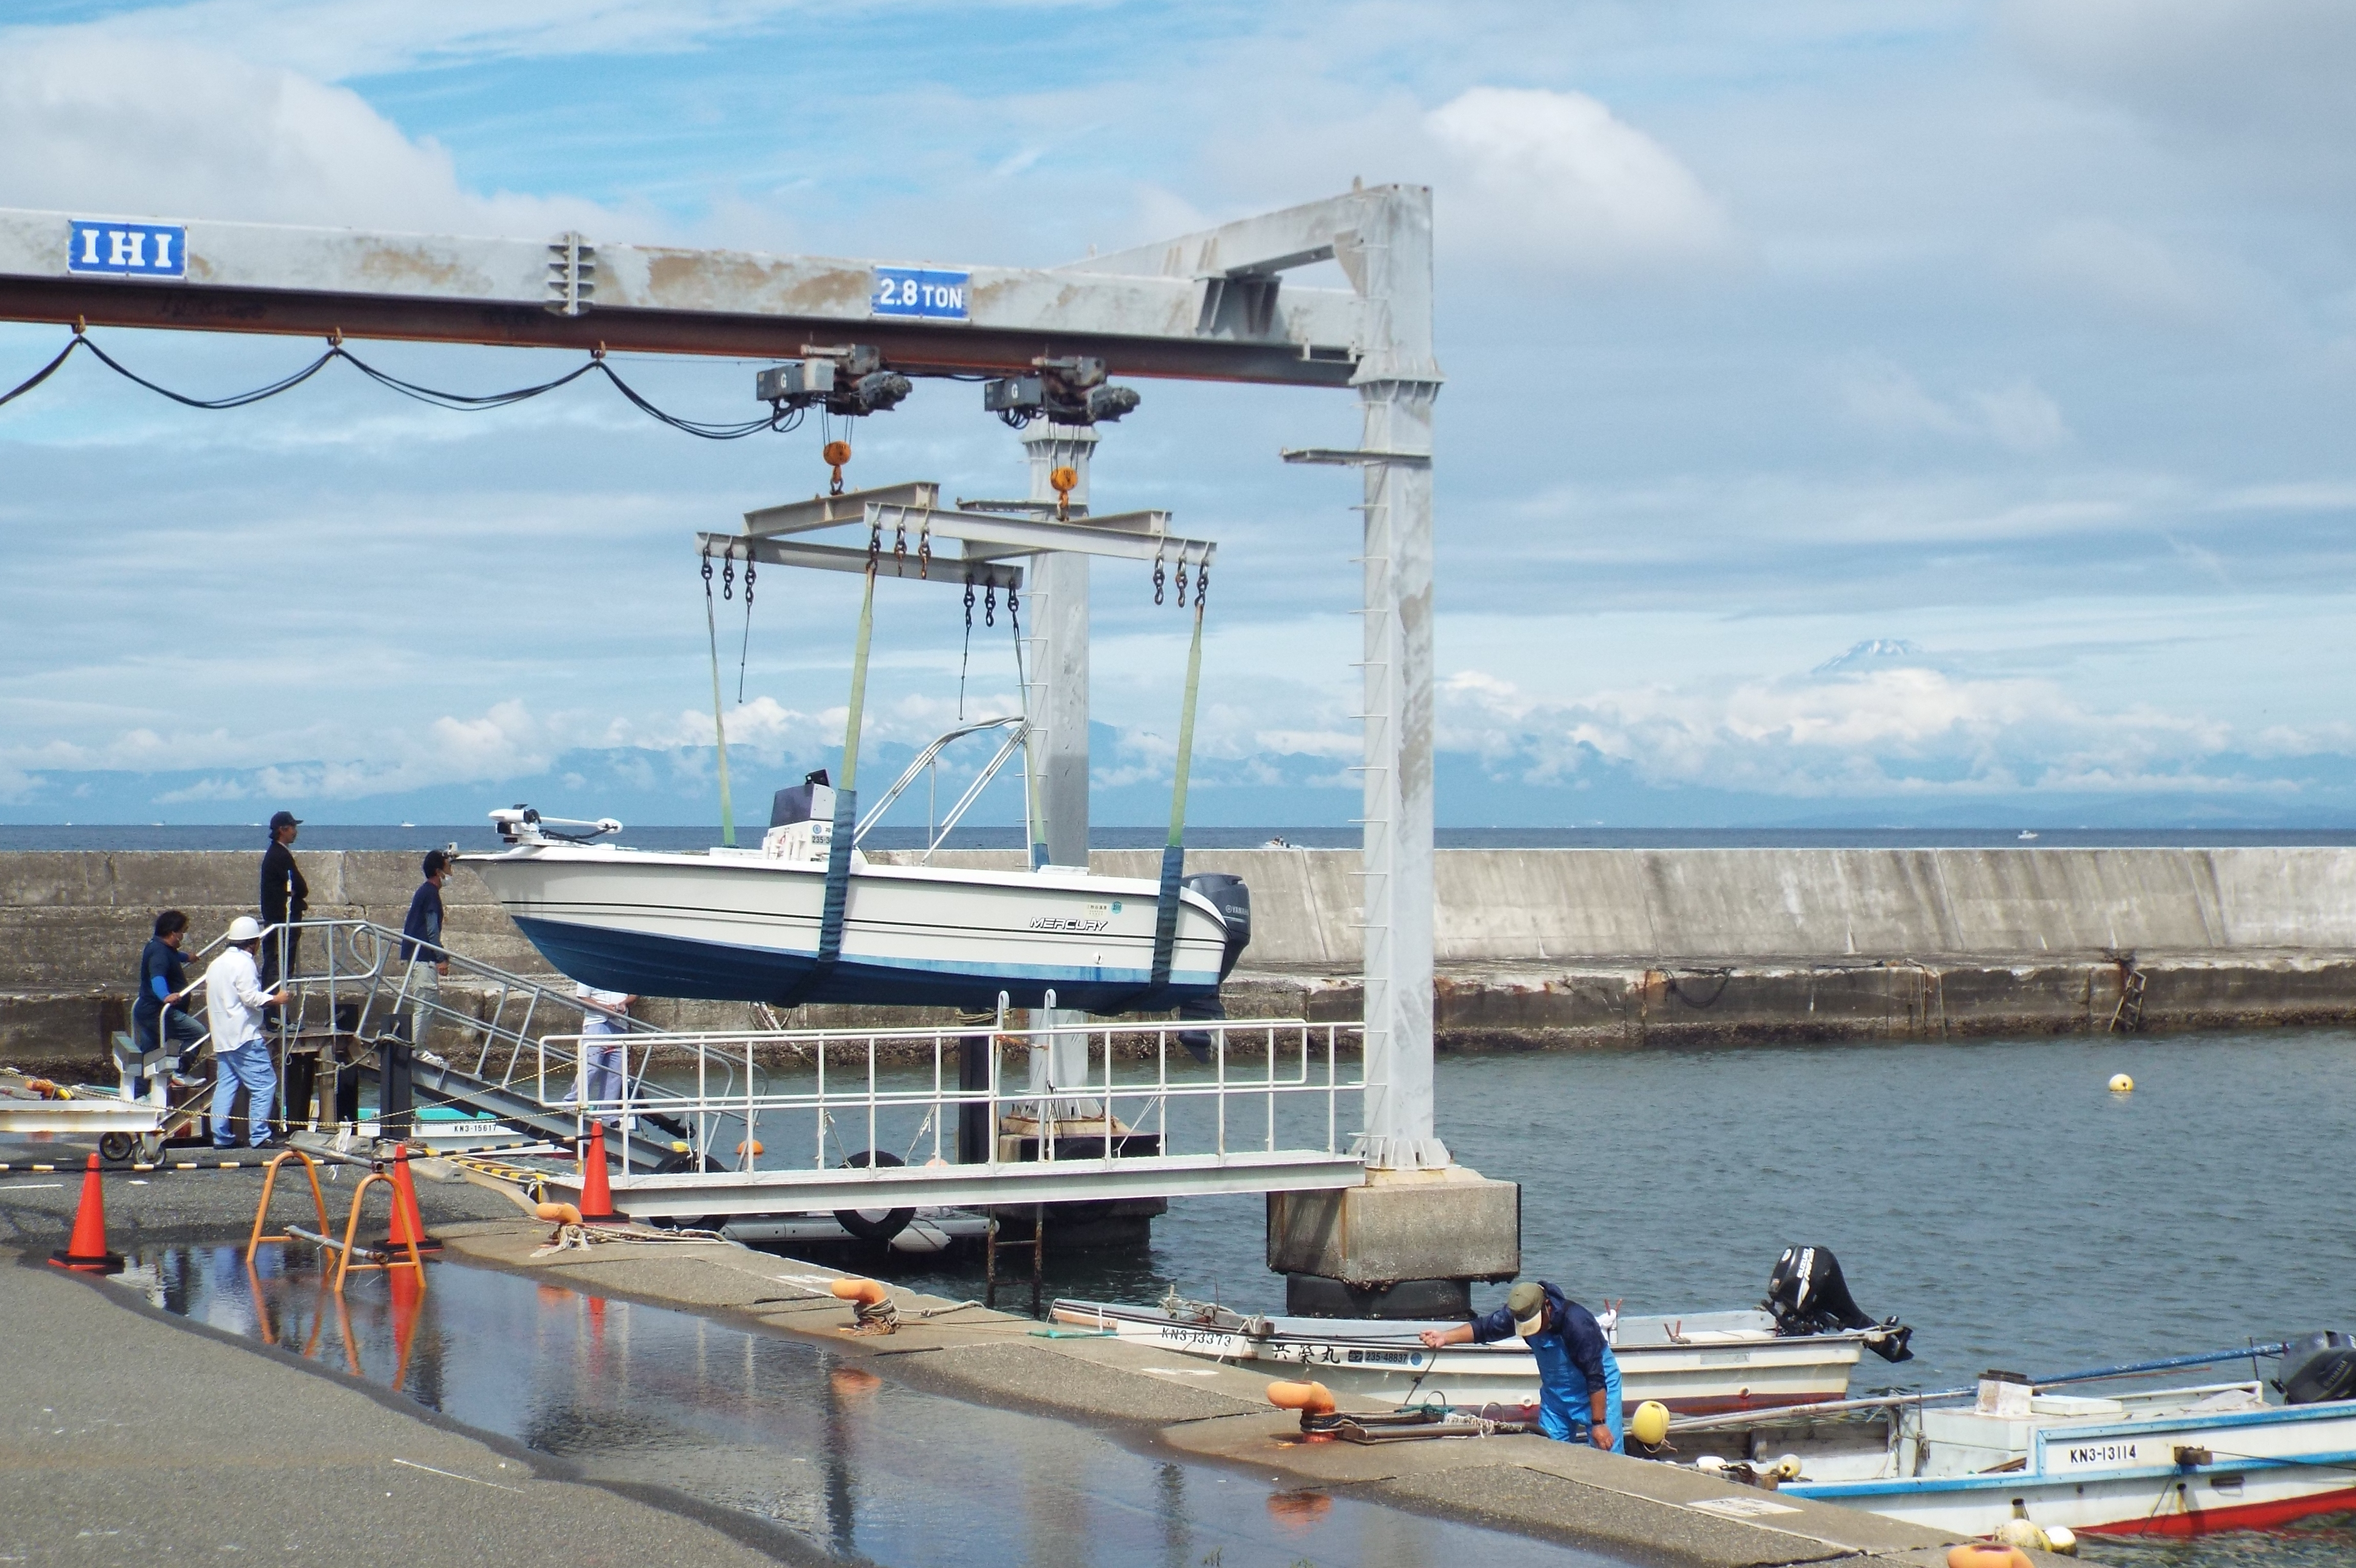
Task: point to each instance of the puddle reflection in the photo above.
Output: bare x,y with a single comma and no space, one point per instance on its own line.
783,1429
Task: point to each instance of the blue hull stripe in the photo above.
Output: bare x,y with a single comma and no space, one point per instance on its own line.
650,966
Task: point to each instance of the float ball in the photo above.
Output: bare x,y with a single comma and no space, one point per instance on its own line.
1650,1425
2122,1085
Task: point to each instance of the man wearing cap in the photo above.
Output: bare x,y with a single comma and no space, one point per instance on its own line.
285,894
233,1002
284,898
1578,1378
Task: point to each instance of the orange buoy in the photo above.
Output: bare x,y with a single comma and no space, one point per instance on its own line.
559,1213
1986,1554
1309,1399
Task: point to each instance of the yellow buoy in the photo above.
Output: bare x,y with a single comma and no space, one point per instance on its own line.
1650,1425
2122,1085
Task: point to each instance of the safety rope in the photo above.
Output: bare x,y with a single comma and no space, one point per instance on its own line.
462,402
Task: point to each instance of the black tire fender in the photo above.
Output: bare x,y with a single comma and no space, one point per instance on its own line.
874,1224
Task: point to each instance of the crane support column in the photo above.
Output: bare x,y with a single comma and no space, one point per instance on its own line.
1413,1239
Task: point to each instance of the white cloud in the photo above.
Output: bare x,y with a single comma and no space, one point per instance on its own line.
103,123
1883,396
1889,729
1555,177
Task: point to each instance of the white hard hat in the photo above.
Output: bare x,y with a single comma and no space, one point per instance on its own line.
244,928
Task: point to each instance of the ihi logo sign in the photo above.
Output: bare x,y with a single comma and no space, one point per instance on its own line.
128,249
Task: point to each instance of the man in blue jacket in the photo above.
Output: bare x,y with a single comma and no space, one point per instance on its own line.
1578,1378
155,1014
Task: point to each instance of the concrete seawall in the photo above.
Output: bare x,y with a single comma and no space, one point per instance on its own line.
1542,947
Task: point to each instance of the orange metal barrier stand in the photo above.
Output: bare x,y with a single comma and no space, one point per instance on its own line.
270,1181
353,1229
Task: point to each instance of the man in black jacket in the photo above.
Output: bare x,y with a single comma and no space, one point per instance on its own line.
285,899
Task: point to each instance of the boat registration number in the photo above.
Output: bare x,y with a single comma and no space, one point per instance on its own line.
2093,1456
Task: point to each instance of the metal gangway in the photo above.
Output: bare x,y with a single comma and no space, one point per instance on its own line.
871,1120
502,1034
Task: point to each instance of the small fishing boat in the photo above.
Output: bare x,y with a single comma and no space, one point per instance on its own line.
1798,1348
760,926
2172,1461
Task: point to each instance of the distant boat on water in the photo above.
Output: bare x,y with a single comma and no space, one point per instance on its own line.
409,824
2026,833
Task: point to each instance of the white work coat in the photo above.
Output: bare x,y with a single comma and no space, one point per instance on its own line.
234,999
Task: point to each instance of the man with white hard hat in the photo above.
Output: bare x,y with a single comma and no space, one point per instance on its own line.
233,1002
1578,1378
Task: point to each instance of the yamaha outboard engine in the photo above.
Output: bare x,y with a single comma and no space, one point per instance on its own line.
1808,1295
2319,1367
1233,900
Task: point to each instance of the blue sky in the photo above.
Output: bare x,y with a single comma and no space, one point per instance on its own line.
2016,341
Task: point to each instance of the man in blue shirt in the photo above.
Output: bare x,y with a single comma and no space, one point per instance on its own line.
1578,1378
163,986
428,961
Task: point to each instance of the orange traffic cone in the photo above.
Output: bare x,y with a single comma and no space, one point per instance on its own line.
86,1249
408,1223
596,1198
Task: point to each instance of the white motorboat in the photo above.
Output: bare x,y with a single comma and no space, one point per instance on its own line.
1701,1362
748,925
1798,1348
2176,1461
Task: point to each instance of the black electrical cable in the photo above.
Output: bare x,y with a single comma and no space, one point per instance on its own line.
462,402
43,374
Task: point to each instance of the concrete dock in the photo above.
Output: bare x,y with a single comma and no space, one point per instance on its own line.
1535,948
297,1461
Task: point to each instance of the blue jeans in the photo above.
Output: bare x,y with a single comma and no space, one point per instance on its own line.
248,1064
601,1059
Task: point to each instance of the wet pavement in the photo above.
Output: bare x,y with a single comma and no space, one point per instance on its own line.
783,1430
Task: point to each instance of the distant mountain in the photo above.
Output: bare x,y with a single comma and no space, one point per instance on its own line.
1874,653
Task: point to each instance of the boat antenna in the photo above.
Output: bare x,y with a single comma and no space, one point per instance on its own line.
719,729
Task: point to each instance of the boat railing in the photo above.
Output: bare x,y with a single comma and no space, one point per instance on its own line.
830,1098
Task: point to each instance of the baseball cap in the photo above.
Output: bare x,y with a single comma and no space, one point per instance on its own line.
245,928
1527,1302
284,819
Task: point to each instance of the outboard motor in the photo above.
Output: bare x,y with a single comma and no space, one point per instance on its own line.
797,803
1808,1295
2319,1367
1233,900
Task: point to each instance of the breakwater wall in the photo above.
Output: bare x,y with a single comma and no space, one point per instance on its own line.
1534,947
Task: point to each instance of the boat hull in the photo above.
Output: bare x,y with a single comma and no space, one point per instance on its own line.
739,927
2183,1475
1734,1368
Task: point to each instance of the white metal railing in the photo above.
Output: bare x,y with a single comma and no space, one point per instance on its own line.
880,1084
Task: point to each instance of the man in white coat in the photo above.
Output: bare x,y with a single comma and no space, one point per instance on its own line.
233,1002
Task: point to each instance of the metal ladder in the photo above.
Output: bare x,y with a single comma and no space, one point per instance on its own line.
2127,1016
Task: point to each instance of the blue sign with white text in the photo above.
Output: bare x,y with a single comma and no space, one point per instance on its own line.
914,292
129,250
